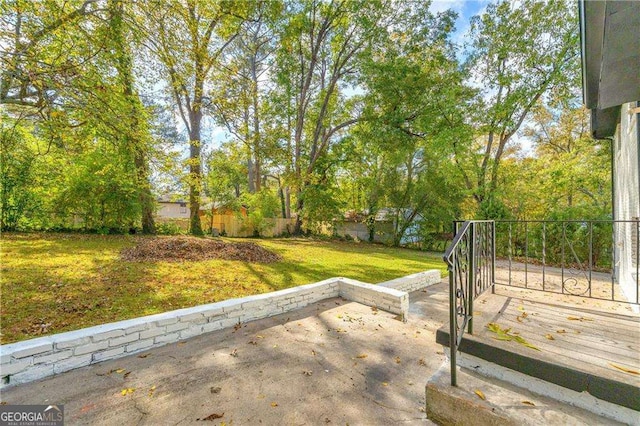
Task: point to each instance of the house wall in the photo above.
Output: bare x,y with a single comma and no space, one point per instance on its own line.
173,211
626,189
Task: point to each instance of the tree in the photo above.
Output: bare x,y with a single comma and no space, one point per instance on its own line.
188,39
321,46
518,54
137,136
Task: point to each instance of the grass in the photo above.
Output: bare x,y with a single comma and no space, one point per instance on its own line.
58,282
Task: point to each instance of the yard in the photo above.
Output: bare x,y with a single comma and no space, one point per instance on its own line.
59,282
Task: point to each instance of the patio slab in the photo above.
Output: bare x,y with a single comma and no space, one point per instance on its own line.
333,362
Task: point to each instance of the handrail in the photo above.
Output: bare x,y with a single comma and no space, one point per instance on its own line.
470,259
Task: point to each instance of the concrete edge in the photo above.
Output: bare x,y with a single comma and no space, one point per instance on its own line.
582,400
454,406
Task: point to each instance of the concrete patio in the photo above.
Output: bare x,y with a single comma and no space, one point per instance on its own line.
332,362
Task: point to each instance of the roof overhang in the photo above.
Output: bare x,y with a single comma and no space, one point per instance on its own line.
610,45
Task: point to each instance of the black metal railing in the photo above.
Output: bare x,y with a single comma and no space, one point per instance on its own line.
470,260
597,259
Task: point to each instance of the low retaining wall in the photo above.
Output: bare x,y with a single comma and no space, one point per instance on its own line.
415,281
34,359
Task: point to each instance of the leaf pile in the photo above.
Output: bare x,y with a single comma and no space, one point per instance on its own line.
183,248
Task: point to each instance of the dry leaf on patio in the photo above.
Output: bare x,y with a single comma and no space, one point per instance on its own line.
127,391
521,308
120,370
151,390
529,403
211,417
274,404
549,337
252,342
480,394
561,331
143,355
625,369
234,353
421,361
307,372
581,319
397,359
125,375
362,356
385,384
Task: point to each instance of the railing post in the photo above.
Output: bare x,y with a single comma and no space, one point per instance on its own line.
471,276
453,338
493,257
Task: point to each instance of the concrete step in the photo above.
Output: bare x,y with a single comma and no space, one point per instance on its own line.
503,403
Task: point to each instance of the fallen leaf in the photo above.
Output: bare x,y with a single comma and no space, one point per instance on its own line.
143,355
151,390
120,370
362,356
211,417
521,308
127,391
259,337
234,353
307,372
561,331
621,368
421,361
480,394
385,384
519,319
581,319
374,309
274,404
397,359
549,337
529,403
215,389
313,352
126,374
252,342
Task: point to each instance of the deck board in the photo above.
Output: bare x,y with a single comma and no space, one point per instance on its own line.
609,339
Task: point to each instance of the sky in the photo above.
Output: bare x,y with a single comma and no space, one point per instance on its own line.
464,9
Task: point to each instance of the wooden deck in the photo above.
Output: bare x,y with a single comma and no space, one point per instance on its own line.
576,347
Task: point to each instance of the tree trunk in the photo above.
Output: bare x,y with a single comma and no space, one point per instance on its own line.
132,140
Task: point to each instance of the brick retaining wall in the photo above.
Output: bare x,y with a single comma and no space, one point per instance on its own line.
34,359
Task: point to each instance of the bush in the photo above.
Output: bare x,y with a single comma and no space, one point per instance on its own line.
168,228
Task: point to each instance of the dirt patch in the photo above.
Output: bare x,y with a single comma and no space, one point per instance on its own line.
178,249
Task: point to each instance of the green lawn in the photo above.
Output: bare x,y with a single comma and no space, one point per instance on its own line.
59,282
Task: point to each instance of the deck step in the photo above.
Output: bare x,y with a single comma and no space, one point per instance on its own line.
503,403
603,388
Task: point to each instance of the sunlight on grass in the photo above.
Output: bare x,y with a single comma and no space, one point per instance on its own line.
57,282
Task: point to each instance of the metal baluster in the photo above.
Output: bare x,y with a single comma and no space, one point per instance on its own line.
564,235
526,254
590,254
544,252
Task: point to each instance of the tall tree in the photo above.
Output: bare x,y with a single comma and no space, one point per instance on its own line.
188,39
136,136
519,52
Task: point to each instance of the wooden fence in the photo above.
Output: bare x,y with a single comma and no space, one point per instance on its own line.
234,226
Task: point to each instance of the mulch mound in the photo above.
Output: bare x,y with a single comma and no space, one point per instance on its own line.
178,249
